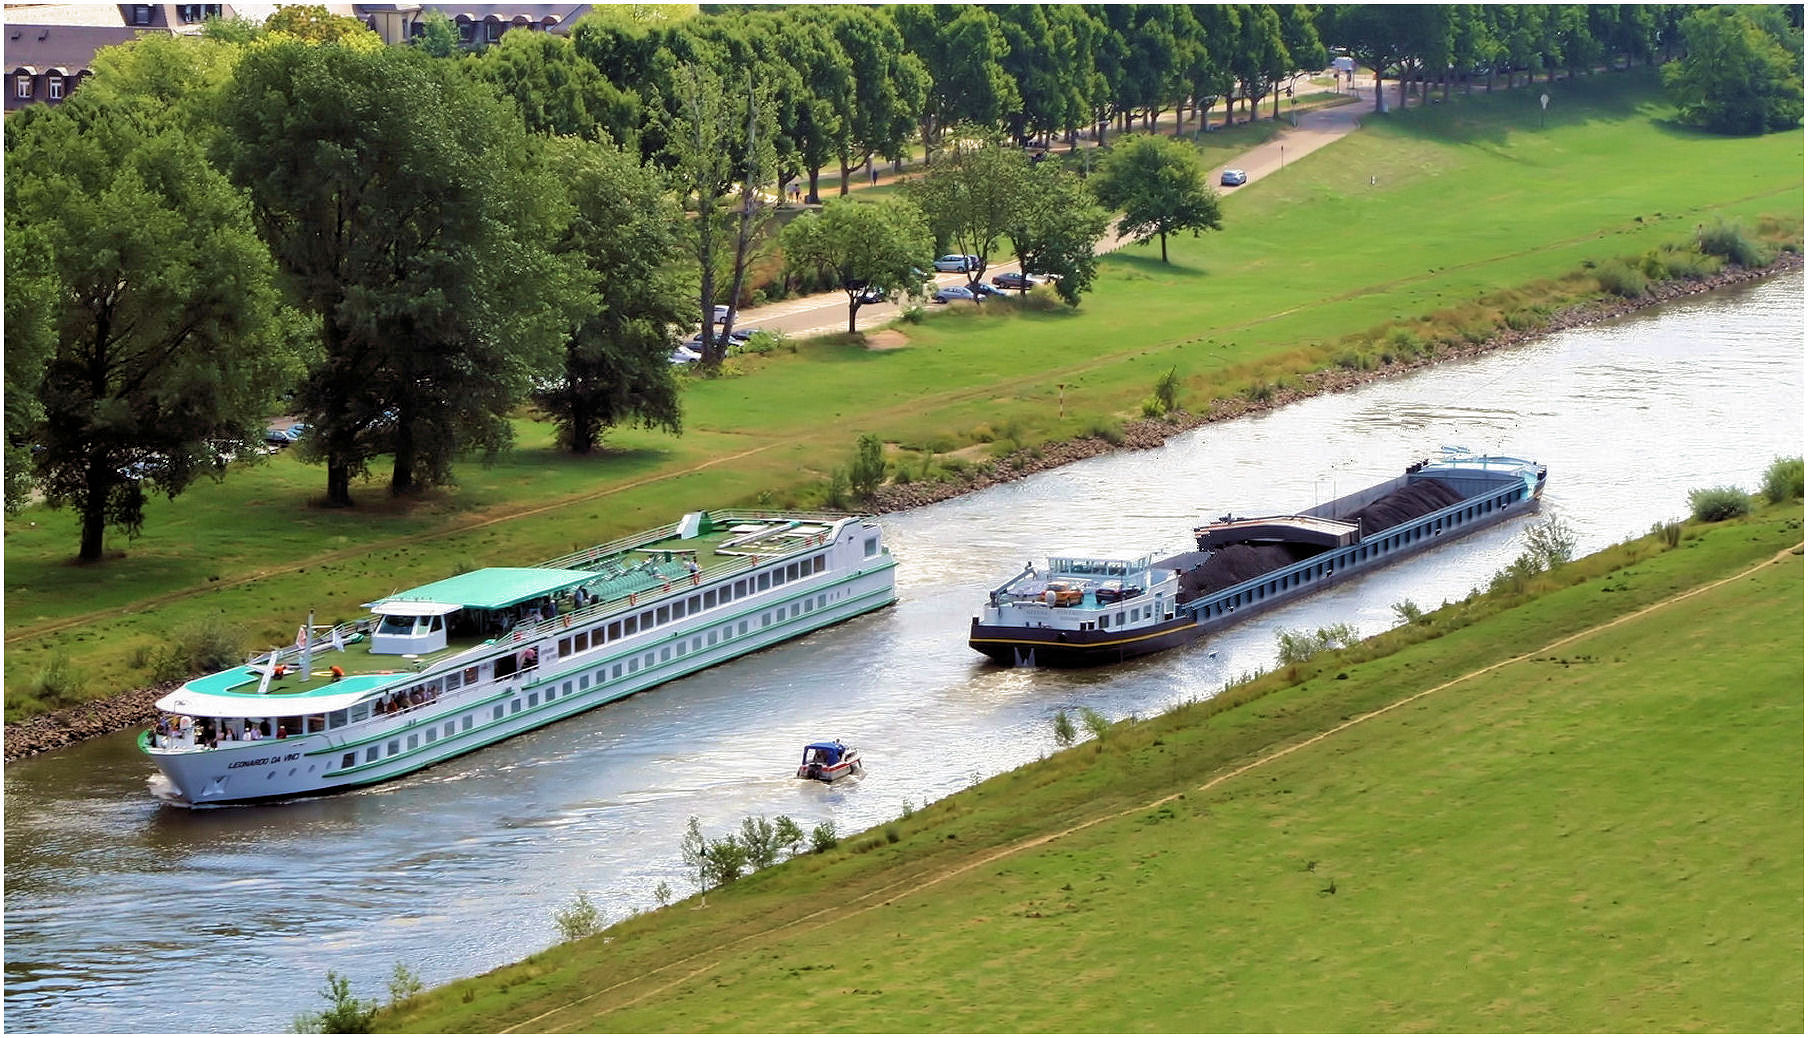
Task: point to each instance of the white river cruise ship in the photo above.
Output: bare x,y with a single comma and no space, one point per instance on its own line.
455,665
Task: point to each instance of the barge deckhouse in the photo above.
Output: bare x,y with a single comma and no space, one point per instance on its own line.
458,664
1082,611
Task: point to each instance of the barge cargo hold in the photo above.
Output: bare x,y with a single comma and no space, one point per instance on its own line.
1087,611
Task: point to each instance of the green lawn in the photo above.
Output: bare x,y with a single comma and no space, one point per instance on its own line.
1468,199
1606,836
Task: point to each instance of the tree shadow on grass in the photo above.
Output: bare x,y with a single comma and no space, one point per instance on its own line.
1490,119
1149,266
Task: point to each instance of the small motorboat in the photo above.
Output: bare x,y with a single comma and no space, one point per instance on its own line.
828,761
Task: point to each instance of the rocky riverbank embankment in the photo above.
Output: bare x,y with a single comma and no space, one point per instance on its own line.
71,724
136,708
1148,433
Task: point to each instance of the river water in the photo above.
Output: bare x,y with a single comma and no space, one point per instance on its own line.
126,914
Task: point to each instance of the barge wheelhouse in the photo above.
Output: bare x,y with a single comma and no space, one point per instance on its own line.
1077,612
458,664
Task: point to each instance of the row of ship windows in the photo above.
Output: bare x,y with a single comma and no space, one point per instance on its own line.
1398,540
753,584
1143,614
582,682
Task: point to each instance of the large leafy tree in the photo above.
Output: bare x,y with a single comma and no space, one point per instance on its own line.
1159,186
719,141
31,302
861,245
806,42
313,23
624,230
1208,76
399,197
558,91
1742,72
156,345
890,86
1376,35
1260,60
973,196
963,48
1056,229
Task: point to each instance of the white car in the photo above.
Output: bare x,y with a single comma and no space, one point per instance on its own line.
954,263
722,313
685,355
953,292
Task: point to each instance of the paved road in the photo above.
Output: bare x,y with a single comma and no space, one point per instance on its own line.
827,313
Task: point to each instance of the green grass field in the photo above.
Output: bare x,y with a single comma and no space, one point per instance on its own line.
1469,200
1604,835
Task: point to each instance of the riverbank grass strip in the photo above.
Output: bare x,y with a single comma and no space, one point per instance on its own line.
1602,833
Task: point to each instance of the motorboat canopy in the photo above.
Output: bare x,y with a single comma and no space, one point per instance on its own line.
825,753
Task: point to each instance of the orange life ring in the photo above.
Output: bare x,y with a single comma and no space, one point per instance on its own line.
668,585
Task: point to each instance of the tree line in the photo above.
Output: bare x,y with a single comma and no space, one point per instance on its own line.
403,245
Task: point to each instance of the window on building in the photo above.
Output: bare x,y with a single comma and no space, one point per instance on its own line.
54,86
22,85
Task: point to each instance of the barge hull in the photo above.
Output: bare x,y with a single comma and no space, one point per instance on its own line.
1491,498
1052,647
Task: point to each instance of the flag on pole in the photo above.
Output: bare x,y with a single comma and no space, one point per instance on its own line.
301,637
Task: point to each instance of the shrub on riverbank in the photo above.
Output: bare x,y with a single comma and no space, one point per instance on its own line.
1717,504
1783,480
1730,241
1623,279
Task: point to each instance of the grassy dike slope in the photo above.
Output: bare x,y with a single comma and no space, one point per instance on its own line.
1555,822
1467,199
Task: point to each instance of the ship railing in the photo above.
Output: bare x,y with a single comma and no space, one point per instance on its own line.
598,553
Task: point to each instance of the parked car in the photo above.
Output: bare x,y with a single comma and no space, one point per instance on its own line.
685,355
955,263
982,290
872,294
953,292
722,313
278,436
1233,178
1013,279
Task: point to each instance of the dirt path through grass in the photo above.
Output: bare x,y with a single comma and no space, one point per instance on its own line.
915,885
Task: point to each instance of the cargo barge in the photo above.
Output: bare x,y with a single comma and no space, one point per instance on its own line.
1087,611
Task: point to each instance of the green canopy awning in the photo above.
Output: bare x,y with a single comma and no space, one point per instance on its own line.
491,588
